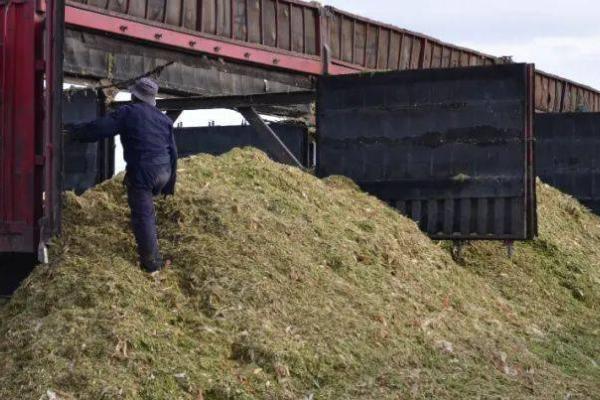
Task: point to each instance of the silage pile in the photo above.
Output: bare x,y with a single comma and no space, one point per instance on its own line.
287,287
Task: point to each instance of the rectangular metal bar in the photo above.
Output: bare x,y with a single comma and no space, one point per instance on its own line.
258,100
52,120
279,148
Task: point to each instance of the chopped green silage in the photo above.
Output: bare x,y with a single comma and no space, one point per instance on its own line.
284,286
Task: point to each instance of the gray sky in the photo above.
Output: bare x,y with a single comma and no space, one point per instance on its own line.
560,37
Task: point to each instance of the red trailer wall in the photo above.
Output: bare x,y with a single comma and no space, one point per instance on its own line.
29,122
19,174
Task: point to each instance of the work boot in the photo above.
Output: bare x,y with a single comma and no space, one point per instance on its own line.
156,272
151,263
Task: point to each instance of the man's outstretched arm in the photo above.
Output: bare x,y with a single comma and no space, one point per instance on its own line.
102,128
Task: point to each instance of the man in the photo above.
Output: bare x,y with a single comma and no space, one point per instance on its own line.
151,156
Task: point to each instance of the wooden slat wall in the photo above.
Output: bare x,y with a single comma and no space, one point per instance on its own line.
294,25
290,25
377,46
372,45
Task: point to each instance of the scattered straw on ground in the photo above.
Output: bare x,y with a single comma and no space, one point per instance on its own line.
284,286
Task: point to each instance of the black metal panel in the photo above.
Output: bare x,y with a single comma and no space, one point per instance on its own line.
218,140
54,38
85,164
450,148
567,154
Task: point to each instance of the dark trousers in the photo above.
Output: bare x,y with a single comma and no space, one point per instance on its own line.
143,218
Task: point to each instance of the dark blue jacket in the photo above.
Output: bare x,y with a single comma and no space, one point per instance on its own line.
147,138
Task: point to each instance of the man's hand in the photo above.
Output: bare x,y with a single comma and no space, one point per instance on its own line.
69,131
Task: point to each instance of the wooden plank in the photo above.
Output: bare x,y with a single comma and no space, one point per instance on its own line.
405,52
173,9
574,98
209,16
155,10
551,94
474,60
253,20
283,26
347,40
557,92
383,48
239,20
455,58
103,4
538,92
464,59
415,56
436,56
137,8
269,21
394,54
223,15
358,48
310,31
118,6
371,47
445,57
545,84
189,14
335,36
427,54
297,29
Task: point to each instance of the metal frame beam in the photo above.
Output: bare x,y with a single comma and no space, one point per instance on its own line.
234,102
281,151
82,17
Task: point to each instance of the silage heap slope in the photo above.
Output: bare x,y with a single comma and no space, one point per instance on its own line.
283,287
554,282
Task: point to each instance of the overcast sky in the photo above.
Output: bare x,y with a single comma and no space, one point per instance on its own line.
561,37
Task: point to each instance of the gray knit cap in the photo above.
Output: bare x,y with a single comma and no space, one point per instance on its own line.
145,89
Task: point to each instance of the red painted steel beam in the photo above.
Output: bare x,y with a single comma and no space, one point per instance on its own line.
127,28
